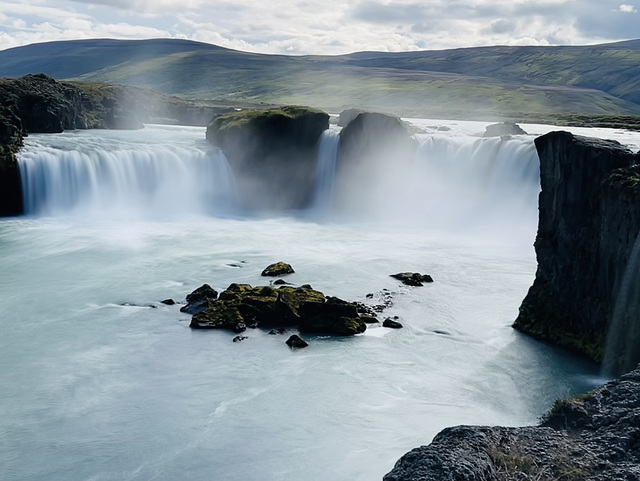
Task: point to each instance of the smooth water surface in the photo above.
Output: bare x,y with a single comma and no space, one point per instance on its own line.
101,381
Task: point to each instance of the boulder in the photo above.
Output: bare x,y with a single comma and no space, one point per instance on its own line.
198,300
296,342
413,278
277,269
272,152
375,153
589,221
334,316
502,129
242,305
348,115
390,323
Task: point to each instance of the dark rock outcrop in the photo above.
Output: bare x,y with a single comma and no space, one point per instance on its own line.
241,306
10,183
296,342
273,153
503,128
277,269
374,154
413,278
592,437
198,300
589,222
334,316
390,323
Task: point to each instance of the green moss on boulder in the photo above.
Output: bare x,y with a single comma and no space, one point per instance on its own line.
241,306
273,153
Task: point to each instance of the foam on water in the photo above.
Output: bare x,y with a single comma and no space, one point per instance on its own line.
103,381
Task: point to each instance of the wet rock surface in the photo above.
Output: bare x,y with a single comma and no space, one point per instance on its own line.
276,270
242,305
413,278
273,153
503,128
592,437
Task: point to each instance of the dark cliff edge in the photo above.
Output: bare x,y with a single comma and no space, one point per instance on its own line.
593,437
585,297
589,219
273,153
39,104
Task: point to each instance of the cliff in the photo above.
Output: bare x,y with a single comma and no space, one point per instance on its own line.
593,437
589,220
273,153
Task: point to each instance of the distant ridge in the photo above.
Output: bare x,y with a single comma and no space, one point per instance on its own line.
491,81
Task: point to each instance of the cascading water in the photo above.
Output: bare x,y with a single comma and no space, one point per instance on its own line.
622,351
326,169
123,177
460,182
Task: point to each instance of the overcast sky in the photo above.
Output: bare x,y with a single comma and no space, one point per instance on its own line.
327,26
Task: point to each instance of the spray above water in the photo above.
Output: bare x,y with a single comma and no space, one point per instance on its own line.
622,351
454,182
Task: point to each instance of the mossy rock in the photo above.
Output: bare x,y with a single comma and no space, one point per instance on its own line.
290,299
278,269
219,315
301,124
334,316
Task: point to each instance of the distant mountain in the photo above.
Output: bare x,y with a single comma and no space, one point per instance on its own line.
476,82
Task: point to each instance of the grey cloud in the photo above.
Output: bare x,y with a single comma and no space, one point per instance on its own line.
106,3
501,26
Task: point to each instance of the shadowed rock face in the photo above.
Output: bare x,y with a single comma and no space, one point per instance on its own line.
10,142
589,221
593,437
273,153
375,152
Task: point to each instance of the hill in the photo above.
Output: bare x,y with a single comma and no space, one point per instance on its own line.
484,82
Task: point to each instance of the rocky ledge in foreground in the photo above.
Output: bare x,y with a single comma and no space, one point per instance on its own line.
592,437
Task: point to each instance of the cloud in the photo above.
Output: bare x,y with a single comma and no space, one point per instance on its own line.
327,27
627,8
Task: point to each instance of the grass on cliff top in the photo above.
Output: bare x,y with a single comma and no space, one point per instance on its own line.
241,118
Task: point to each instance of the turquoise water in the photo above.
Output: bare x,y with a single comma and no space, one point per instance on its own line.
101,381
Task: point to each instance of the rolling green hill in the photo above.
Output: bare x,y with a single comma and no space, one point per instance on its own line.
521,83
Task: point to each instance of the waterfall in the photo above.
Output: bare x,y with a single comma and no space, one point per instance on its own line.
326,169
111,177
469,180
622,351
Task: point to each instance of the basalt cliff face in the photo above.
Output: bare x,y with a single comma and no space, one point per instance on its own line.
589,221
